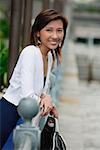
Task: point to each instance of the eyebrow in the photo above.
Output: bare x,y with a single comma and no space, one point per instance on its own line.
52,27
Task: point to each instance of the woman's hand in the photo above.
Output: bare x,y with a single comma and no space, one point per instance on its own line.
45,104
54,112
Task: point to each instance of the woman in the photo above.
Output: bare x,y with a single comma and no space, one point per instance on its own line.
31,76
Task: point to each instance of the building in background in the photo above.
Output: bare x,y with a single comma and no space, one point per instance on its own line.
84,38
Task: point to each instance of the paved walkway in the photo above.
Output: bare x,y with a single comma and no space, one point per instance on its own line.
79,108
80,114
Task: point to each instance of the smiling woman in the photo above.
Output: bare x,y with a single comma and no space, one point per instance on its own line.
52,33
32,73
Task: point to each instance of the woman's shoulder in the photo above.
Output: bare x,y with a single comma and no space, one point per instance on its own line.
29,50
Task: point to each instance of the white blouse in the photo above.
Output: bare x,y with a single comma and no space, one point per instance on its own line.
28,76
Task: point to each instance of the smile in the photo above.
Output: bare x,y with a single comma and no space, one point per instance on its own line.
54,43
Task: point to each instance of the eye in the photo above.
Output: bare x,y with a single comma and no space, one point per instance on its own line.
60,30
49,30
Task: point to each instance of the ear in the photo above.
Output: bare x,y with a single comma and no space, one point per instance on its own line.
38,34
38,38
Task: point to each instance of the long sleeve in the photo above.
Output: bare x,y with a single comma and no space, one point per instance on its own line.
27,77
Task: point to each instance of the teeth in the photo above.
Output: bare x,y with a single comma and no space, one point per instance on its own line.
53,42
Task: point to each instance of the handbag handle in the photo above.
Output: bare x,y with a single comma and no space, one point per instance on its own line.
56,125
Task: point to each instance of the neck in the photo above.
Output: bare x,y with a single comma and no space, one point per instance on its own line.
43,51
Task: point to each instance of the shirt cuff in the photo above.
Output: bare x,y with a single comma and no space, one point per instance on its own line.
37,98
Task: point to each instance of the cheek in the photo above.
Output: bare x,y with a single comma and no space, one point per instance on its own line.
61,37
44,36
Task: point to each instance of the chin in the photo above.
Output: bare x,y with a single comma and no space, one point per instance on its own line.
53,47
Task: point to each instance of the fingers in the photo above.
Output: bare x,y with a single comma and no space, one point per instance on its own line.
45,111
41,104
47,107
45,104
54,112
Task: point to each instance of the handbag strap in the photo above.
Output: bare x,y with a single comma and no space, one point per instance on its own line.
56,125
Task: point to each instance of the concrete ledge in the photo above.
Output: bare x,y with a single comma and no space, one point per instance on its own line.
69,100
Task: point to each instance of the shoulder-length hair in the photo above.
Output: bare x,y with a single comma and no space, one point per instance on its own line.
41,21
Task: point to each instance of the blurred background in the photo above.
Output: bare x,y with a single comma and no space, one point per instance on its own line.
79,81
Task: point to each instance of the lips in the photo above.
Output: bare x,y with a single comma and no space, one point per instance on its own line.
54,42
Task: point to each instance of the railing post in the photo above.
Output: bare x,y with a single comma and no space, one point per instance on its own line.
26,136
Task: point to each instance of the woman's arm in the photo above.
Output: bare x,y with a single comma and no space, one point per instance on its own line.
27,74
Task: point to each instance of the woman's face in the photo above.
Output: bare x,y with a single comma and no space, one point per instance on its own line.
51,35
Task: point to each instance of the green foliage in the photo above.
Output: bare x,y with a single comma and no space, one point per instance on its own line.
3,7
4,37
4,28
3,58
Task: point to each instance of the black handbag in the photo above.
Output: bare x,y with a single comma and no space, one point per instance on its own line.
58,142
50,136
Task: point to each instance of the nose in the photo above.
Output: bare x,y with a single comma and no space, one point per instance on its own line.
55,35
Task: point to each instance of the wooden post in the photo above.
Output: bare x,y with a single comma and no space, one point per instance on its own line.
45,4
59,5
28,5
14,40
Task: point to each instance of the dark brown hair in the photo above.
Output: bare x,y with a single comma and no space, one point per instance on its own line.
42,20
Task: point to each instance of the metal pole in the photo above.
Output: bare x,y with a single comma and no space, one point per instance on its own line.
14,40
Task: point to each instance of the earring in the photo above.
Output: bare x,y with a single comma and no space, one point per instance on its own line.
39,42
60,44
